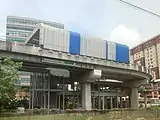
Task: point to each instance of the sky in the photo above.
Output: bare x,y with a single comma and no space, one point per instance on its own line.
107,19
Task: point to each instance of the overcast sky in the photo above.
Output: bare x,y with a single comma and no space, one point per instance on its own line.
107,19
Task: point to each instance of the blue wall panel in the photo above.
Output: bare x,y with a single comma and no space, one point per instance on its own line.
106,50
74,46
122,53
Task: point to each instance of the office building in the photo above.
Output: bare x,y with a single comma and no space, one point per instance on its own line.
18,29
147,55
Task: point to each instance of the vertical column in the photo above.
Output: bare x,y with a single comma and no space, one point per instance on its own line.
63,94
77,101
59,101
32,90
145,99
86,96
120,102
32,99
117,100
103,102
48,91
44,93
134,98
93,102
106,101
30,87
29,100
74,100
99,97
111,102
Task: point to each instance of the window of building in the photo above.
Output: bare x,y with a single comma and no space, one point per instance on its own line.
17,33
15,39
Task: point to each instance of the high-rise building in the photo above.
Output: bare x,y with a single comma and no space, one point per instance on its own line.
147,54
19,28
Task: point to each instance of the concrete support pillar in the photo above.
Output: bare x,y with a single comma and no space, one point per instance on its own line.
134,98
86,96
86,79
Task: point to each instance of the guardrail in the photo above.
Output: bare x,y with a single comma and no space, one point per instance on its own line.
22,48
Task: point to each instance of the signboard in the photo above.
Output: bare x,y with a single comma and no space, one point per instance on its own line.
62,62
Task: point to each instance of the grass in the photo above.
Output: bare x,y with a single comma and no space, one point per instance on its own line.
113,115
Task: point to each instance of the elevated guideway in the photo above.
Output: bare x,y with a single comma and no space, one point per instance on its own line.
37,59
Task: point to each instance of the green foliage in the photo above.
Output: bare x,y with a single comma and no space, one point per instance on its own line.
40,111
9,73
157,107
142,89
25,89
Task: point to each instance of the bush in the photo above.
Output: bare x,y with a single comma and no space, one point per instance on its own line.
154,107
44,111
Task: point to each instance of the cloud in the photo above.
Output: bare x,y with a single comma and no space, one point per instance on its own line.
125,35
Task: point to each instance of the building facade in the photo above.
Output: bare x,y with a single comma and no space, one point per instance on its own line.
147,55
18,29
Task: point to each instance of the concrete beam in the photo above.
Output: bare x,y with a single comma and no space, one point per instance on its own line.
116,68
109,94
89,76
136,83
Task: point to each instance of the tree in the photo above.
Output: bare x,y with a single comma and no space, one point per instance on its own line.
144,92
9,73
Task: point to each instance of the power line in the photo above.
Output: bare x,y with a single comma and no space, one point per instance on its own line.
139,8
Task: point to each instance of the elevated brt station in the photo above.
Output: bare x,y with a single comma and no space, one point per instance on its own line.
70,78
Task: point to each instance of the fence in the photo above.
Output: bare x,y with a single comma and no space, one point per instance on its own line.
142,114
